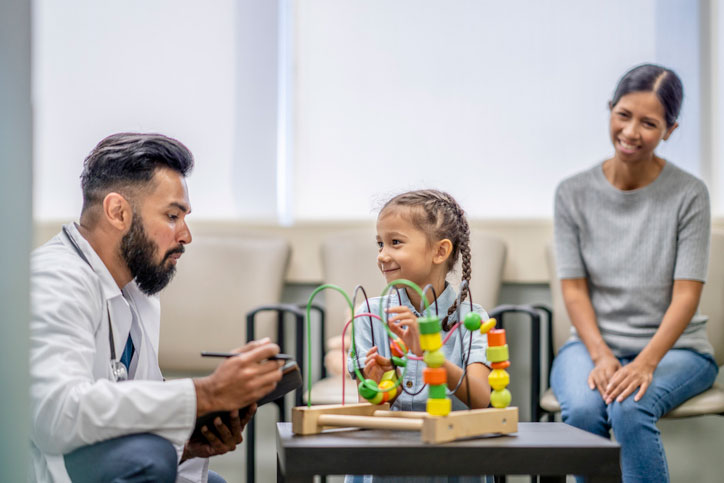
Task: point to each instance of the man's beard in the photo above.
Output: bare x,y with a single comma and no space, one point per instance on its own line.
138,251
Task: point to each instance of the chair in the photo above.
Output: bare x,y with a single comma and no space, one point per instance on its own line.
349,258
710,401
217,282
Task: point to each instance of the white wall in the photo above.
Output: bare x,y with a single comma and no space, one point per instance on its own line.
493,101
100,67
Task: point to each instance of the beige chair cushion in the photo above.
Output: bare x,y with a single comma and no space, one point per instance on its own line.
710,401
549,402
218,281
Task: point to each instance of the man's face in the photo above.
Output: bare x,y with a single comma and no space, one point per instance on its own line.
158,232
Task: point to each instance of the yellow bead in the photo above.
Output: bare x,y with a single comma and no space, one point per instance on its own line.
487,325
439,407
430,342
500,399
498,379
434,358
388,384
497,353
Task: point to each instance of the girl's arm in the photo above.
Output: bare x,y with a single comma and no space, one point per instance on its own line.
476,379
639,373
580,310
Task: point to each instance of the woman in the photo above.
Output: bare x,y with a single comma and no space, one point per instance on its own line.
632,243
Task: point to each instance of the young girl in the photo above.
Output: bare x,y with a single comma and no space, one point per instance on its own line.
420,235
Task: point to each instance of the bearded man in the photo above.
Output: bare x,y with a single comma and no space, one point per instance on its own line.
101,410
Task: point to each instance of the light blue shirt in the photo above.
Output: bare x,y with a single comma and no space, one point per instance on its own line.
455,349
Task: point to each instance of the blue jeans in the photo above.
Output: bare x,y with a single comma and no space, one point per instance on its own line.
680,375
135,458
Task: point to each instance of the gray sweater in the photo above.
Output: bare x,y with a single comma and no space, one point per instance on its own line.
631,246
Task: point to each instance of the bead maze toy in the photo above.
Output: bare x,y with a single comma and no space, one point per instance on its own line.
439,423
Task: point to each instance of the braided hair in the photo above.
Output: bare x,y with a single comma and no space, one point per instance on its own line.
439,216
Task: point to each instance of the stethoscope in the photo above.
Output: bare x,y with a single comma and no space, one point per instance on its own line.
119,372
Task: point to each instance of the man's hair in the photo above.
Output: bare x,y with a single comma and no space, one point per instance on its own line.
127,162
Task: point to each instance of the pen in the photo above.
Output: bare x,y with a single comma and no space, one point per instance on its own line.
278,357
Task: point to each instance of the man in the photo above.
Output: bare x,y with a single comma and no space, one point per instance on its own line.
95,323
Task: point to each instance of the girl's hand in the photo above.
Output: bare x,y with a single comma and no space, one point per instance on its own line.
604,369
627,379
376,365
403,324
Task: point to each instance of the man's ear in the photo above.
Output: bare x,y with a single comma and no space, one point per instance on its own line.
442,251
117,211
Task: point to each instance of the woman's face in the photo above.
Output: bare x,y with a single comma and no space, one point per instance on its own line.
637,125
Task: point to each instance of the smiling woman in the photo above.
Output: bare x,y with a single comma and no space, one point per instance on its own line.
632,244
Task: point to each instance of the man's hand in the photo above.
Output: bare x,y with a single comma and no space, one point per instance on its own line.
404,325
376,365
241,380
222,440
604,369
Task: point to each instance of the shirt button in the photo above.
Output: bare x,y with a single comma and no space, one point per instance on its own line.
408,384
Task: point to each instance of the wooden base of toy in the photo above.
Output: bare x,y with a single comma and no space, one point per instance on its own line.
433,429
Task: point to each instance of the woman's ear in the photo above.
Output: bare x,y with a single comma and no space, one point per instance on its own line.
670,130
442,251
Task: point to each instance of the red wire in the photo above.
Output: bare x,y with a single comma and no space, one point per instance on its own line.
367,314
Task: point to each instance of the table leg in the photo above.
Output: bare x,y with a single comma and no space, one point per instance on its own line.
282,478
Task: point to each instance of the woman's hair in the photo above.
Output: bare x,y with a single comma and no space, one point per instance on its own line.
439,216
657,79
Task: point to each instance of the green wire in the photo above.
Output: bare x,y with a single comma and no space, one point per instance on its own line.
353,354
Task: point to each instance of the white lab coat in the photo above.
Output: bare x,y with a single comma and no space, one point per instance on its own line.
74,401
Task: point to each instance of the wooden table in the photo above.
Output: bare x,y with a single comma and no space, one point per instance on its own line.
551,450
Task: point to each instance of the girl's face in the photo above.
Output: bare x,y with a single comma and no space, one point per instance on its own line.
404,250
637,126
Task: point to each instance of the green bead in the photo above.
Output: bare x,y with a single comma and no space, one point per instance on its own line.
368,389
472,321
500,399
429,325
497,353
437,392
399,362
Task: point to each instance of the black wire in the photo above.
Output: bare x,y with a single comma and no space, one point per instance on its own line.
422,301
369,311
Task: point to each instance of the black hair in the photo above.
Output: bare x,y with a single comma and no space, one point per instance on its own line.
653,78
124,162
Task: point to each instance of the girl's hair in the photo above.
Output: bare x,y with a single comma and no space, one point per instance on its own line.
657,79
439,216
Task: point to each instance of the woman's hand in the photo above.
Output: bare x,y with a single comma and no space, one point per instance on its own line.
604,369
376,365
627,379
224,440
404,325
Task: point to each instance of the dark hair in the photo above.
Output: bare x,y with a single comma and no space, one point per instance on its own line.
439,216
126,161
653,78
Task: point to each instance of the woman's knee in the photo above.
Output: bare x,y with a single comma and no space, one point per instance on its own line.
629,417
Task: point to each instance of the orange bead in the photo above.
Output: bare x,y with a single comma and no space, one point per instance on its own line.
500,365
496,337
434,376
